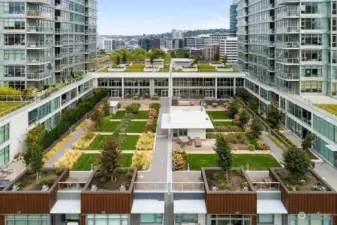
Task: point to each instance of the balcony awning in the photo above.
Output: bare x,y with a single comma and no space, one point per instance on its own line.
190,207
271,207
66,207
332,147
147,207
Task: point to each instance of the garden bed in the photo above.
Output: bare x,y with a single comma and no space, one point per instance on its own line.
141,115
118,116
136,127
86,160
129,142
255,162
218,115
223,124
108,126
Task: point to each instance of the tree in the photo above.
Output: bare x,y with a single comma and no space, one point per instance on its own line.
124,60
34,137
106,108
223,150
216,57
273,116
254,105
152,58
308,141
118,60
233,109
36,159
244,118
102,52
224,59
173,54
243,94
297,162
97,117
110,159
256,128
138,55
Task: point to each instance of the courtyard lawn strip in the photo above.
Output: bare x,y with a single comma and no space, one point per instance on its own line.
136,127
223,124
218,115
86,160
108,126
255,162
130,142
141,115
118,116
99,142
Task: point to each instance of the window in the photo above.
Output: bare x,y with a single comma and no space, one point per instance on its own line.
4,133
27,219
14,39
14,71
13,23
183,132
112,219
14,55
266,218
14,7
4,155
186,218
151,218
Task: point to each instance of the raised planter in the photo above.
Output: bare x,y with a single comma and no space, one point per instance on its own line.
33,201
229,202
117,69
216,64
107,201
309,202
189,69
219,69
151,69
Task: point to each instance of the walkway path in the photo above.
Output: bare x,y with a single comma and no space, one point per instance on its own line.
68,145
158,168
274,149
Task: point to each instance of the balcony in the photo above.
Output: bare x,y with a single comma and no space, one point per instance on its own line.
39,14
288,76
37,45
38,61
38,76
281,2
37,29
41,2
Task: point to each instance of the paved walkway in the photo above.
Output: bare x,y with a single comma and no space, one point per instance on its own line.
68,145
158,168
274,149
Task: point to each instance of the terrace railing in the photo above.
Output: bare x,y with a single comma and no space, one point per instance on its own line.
188,187
266,186
151,187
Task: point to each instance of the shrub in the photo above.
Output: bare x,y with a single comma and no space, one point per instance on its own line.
141,160
297,162
225,129
180,159
145,141
9,91
84,142
133,108
68,159
152,113
48,180
59,172
251,147
155,106
233,109
129,174
237,138
211,135
261,145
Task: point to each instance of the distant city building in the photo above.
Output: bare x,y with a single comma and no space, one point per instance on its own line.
233,20
100,40
177,34
229,47
173,44
214,39
110,45
211,52
149,43
195,42
195,51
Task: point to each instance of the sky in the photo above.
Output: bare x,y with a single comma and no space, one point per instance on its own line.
137,17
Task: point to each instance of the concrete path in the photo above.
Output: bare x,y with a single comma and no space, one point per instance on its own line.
68,145
158,168
274,149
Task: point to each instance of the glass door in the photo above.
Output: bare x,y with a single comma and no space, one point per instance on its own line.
115,93
164,93
209,93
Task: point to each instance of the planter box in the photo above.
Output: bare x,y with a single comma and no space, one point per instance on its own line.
121,69
30,202
107,202
224,69
216,64
189,69
156,69
309,202
230,202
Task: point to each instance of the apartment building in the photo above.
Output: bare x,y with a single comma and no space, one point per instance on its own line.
177,34
215,39
174,44
233,21
288,50
111,44
150,43
196,42
42,41
211,52
229,48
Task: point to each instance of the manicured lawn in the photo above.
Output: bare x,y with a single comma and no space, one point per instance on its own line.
108,126
130,142
99,142
255,162
119,115
136,127
135,68
206,68
218,115
330,108
6,106
141,115
85,161
223,124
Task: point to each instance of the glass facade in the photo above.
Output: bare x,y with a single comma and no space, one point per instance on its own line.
229,219
4,155
38,219
310,219
112,219
265,219
43,110
151,218
186,218
4,133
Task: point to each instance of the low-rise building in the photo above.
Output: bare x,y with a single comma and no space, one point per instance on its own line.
229,48
211,52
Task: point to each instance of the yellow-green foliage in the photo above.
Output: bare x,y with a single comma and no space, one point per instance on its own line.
56,148
330,108
261,145
84,142
141,160
9,91
82,125
145,142
68,159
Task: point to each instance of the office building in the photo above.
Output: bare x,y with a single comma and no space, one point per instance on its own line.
43,41
211,52
149,43
229,48
214,39
111,44
177,34
173,44
233,21
288,50
196,42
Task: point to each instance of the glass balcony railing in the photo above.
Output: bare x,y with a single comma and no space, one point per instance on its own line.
40,14
43,44
38,75
39,29
47,2
288,76
38,60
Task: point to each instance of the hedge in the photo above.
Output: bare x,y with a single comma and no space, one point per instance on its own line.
72,116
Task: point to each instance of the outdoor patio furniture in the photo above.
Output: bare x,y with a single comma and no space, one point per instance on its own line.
214,104
197,142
